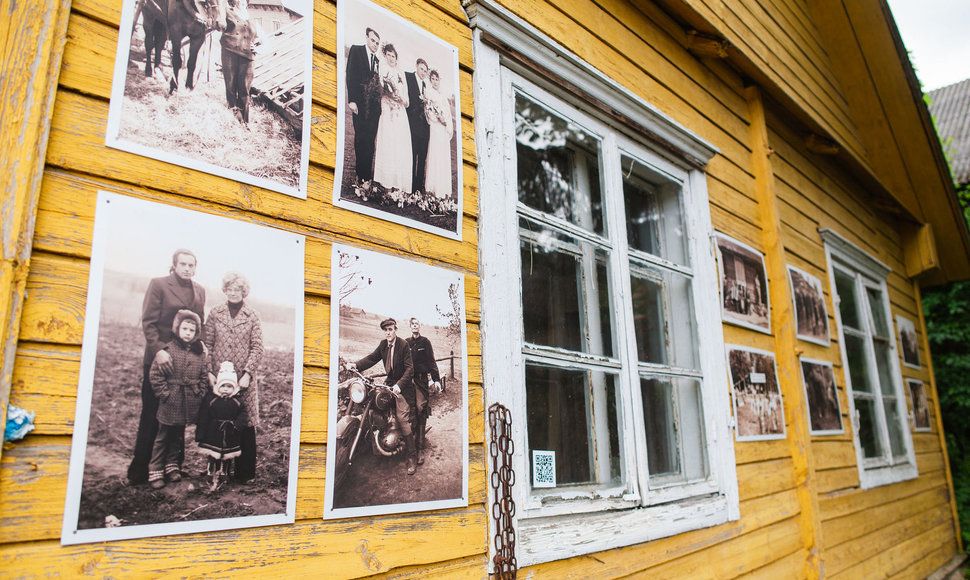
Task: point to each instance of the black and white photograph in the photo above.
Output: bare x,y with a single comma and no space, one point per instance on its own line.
220,86
824,411
188,407
811,316
758,410
907,342
397,439
744,285
398,121
921,407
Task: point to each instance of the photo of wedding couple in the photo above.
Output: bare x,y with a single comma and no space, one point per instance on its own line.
399,133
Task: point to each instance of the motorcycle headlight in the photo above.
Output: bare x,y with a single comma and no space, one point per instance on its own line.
357,391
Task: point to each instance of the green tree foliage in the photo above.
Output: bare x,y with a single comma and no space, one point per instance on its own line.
947,312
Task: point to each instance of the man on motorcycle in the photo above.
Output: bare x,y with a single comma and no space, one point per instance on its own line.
395,353
424,365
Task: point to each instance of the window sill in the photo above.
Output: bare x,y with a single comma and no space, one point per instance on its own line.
880,476
548,538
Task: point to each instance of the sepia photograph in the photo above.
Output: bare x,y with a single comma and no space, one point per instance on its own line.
188,408
398,121
744,285
220,86
907,342
921,407
397,439
824,411
811,316
758,410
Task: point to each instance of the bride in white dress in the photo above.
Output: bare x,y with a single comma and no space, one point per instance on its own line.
392,151
438,112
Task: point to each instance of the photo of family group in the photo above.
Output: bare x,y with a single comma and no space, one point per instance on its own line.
398,124
744,285
220,86
188,410
397,439
758,410
811,316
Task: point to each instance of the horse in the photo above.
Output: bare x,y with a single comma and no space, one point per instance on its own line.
154,15
192,19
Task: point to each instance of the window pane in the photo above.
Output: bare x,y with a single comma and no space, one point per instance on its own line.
654,220
855,352
673,414
572,412
845,287
558,166
878,312
884,365
868,437
894,423
565,292
648,320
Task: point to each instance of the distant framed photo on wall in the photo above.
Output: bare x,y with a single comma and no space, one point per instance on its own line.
921,407
824,410
234,101
758,410
744,285
811,316
189,391
399,138
908,343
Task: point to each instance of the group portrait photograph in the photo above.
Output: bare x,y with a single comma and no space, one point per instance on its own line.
189,394
221,86
398,121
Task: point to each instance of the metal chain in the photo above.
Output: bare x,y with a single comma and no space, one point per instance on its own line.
503,478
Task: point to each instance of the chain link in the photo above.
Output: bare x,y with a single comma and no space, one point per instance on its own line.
502,478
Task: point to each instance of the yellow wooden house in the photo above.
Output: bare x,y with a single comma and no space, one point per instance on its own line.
789,131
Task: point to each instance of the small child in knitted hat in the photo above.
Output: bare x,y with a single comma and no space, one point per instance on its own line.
221,417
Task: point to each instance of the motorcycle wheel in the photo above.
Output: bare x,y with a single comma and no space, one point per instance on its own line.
342,466
386,451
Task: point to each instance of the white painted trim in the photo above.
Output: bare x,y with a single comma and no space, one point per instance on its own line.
551,528
838,249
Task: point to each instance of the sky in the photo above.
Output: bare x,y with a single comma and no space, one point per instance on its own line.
936,34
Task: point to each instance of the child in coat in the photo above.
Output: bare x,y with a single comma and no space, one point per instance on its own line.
179,387
221,419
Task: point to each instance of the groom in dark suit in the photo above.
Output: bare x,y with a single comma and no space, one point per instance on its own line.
364,101
420,130
165,296
395,353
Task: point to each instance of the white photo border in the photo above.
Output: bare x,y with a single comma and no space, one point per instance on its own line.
725,315
818,284
341,123
909,386
112,139
109,205
734,400
903,323
329,512
808,405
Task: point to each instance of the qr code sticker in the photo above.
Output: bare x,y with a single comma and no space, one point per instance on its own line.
543,468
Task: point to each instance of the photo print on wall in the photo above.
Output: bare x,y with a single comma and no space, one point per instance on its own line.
397,439
921,407
907,341
824,411
399,138
744,285
234,102
758,410
811,316
188,408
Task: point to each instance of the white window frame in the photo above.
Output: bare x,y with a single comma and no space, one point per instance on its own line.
870,272
565,524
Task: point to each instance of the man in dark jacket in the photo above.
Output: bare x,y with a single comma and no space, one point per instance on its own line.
164,298
418,83
395,353
364,101
424,366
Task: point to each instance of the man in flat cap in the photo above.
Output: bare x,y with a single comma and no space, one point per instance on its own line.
395,353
